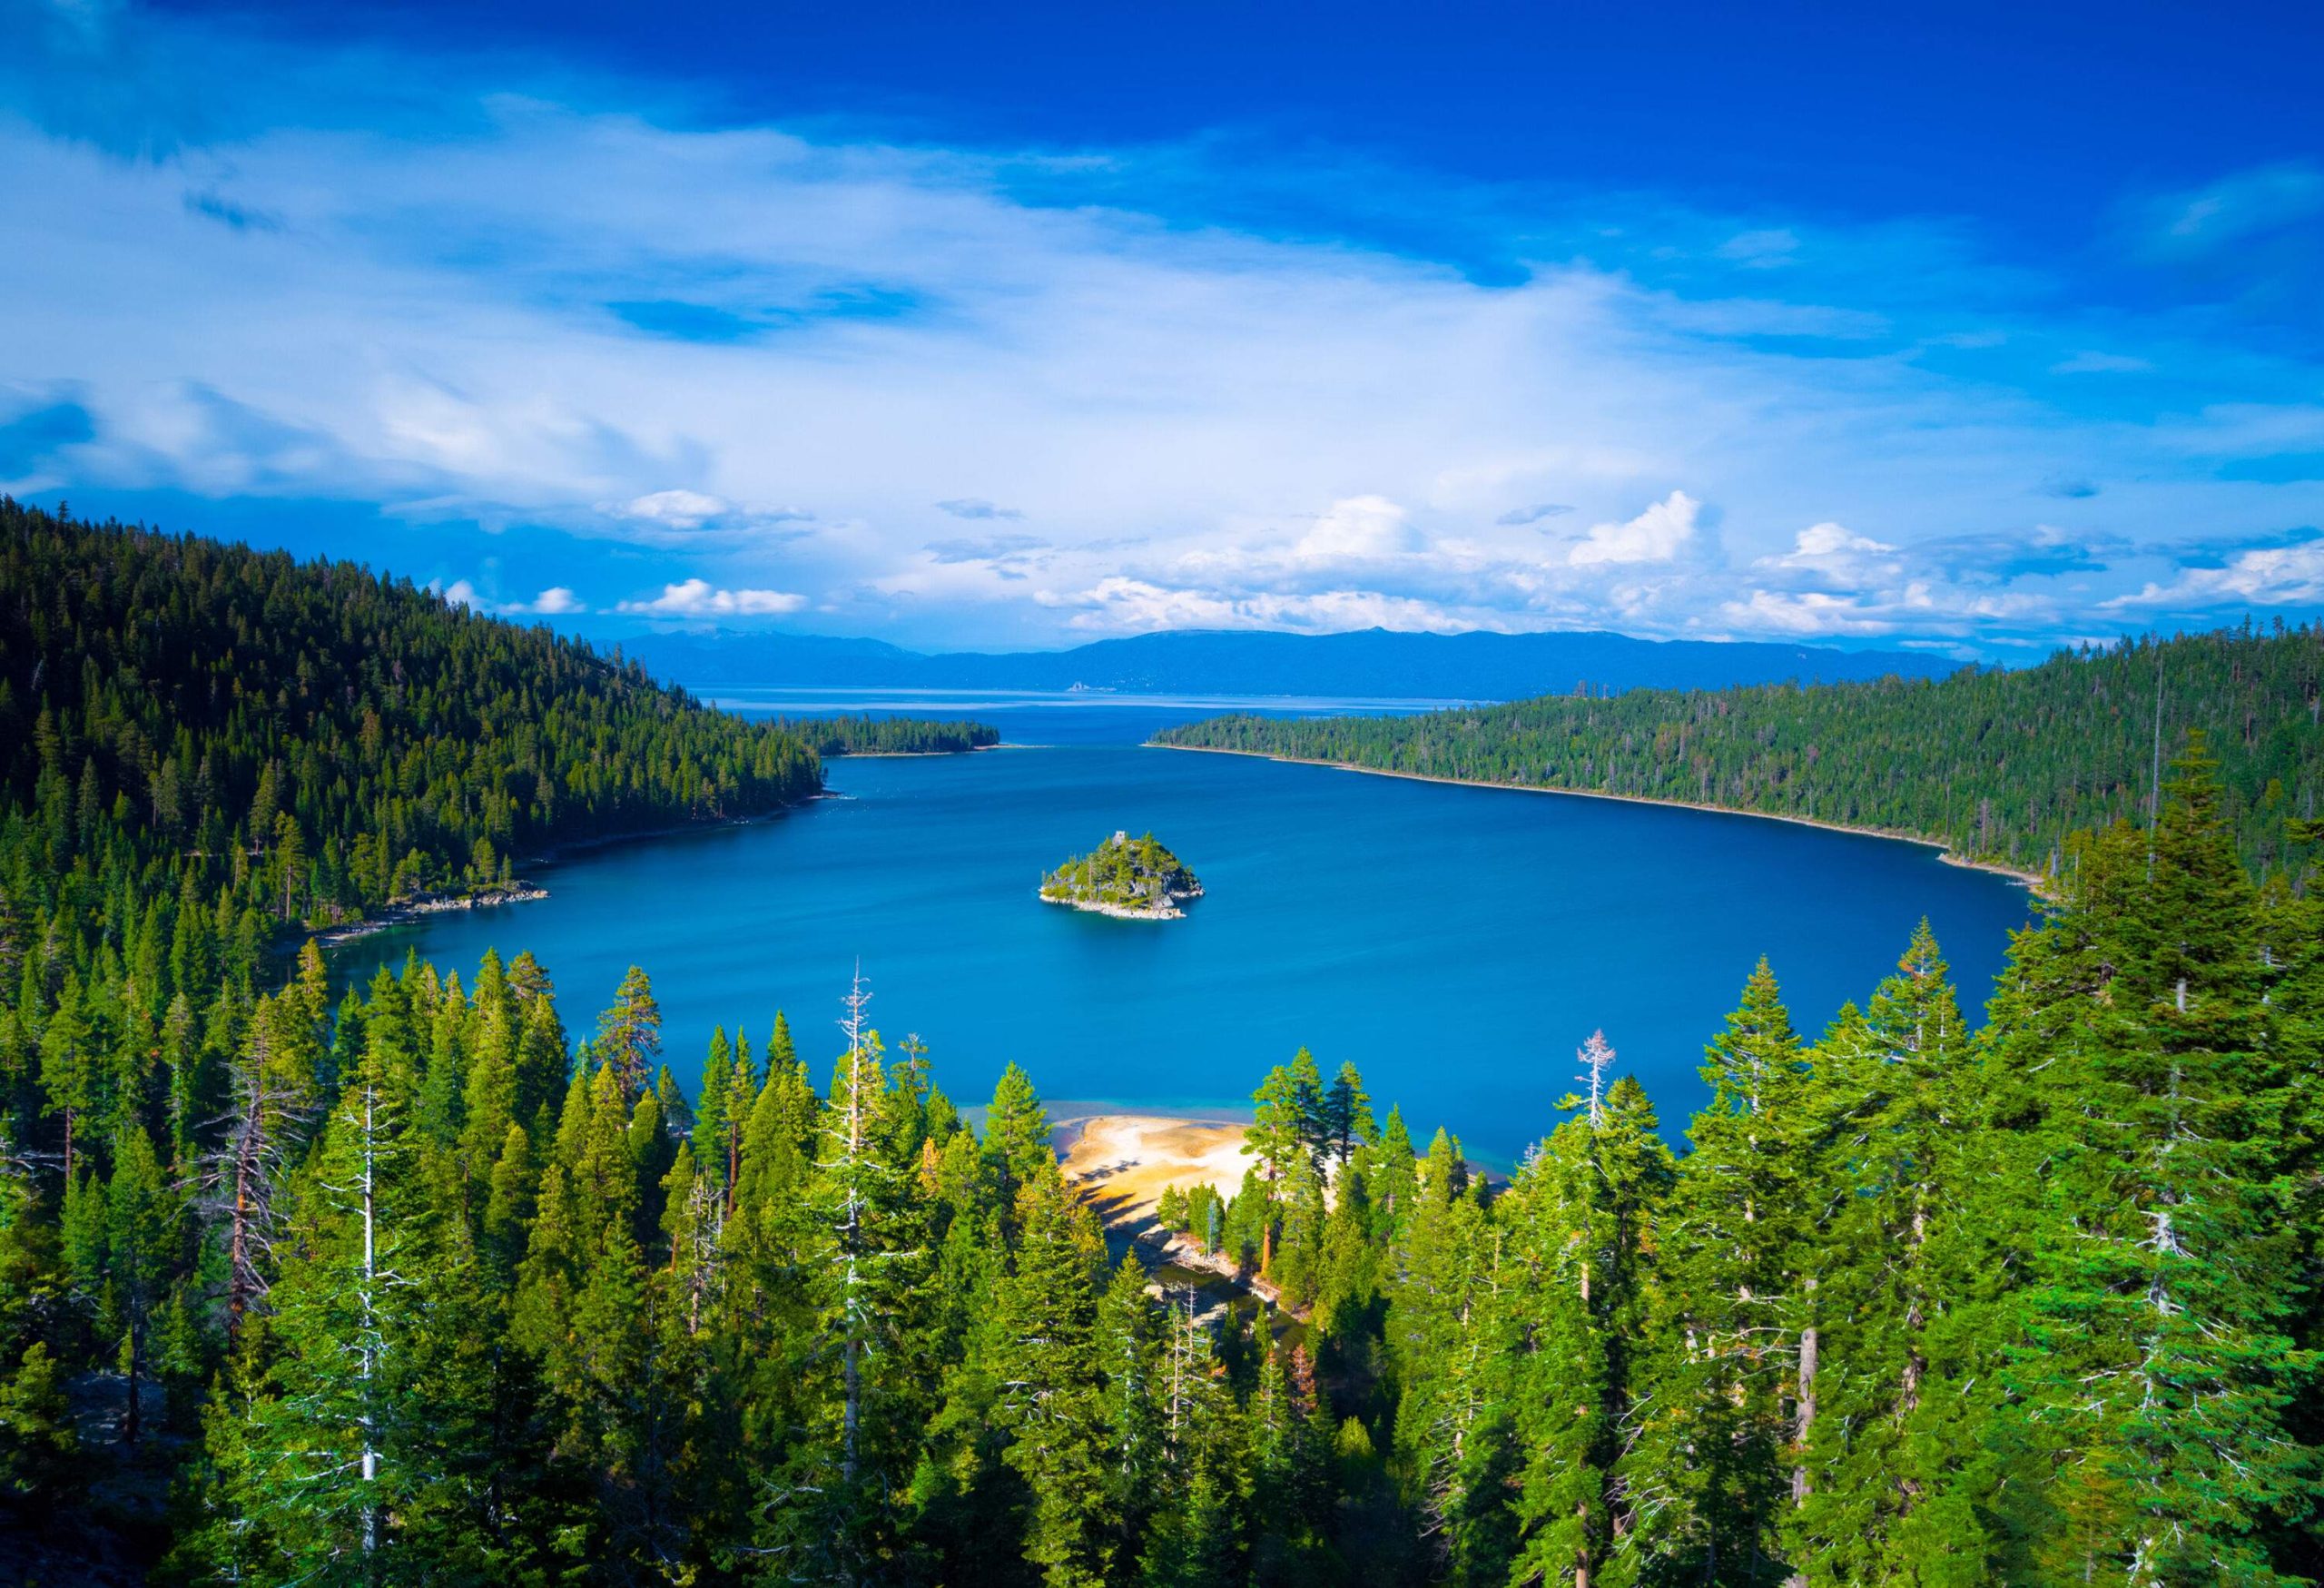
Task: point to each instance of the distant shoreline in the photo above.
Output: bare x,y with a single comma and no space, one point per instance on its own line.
2029,881
904,755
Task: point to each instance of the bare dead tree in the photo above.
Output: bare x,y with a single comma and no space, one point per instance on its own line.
235,1184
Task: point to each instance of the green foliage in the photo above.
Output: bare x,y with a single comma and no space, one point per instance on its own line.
405,1290
1123,872
864,734
1999,767
295,741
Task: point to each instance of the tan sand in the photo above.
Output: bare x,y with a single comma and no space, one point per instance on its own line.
1124,1163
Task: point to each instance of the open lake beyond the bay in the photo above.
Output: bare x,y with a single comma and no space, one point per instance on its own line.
1457,944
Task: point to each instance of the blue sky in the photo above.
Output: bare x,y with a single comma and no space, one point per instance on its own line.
1981,328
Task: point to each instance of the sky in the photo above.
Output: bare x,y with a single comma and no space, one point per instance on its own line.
1979,328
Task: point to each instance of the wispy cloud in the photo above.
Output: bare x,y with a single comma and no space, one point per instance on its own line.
2237,208
2261,575
2091,362
500,307
1534,514
977,507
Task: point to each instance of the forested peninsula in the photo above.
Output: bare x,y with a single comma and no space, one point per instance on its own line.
436,1282
1997,766
864,734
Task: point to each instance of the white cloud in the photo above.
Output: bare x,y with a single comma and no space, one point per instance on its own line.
1359,529
697,597
1918,607
2272,576
1827,538
460,593
680,509
1215,423
1832,554
556,600
1657,535
1126,605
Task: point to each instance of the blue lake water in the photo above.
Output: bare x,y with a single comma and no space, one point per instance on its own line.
1457,944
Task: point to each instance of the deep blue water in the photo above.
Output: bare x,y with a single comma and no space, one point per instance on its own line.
1457,944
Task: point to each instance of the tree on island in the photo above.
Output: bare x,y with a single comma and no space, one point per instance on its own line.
1123,875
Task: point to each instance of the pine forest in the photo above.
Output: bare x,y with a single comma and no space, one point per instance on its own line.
448,1280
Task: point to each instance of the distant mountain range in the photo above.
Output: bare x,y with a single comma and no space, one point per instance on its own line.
1375,663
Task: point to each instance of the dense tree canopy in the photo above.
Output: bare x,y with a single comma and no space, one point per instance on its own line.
864,734
417,1288
309,741
1998,765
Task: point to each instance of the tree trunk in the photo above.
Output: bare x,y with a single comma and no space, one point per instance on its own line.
1803,1421
133,1424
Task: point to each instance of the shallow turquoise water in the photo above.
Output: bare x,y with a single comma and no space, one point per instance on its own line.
1458,945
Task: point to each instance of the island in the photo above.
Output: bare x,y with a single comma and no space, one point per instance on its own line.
1134,878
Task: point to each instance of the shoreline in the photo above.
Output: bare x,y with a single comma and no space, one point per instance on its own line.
2029,881
904,755
1123,1160
1119,911
558,851
524,893
395,915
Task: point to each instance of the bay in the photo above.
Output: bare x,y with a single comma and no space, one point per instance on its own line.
1458,945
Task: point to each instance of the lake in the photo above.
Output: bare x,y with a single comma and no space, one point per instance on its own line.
1458,945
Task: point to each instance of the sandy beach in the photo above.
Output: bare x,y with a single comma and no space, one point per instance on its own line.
1126,1161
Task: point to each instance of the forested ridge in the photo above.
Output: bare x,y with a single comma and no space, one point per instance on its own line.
413,1290
2000,766
271,741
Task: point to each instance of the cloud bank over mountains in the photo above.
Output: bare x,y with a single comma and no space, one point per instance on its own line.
612,364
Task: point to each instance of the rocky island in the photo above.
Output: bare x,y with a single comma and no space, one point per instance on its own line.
1134,878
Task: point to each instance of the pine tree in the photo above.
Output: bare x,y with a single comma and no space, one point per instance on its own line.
1196,1538
712,1113
1448,1333
1581,1222
308,1478
2156,1368
827,1513
1347,1113
1051,1390
141,1240
1911,1129
1733,1318
629,1032
1126,1352
1016,1136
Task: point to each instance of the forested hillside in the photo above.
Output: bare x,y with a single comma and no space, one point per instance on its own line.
410,1292
412,1287
258,741
1998,766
